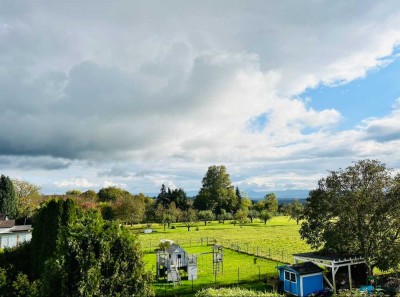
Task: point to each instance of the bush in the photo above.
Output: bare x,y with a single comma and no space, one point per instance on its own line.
233,292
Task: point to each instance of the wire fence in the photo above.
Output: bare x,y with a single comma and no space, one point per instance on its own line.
258,274
282,256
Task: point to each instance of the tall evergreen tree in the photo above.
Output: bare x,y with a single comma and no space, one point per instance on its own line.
163,197
8,198
47,229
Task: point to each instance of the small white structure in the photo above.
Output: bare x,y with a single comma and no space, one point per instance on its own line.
12,235
171,261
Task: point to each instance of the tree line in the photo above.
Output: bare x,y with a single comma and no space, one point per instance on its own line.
217,199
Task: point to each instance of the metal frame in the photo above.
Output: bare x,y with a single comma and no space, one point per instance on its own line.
334,263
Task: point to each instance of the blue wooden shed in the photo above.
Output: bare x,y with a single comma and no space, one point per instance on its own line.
301,279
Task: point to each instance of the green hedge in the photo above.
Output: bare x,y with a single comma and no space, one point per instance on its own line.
233,292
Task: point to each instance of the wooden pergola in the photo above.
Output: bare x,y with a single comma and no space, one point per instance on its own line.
331,262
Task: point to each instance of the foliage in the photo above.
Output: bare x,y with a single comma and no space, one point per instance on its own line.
253,214
356,211
241,216
265,216
17,285
163,197
189,218
223,216
271,203
205,216
49,220
29,198
177,196
130,208
73,192
8,198
107,211
18,258
96,258
233,292
357,293
217,192
111,194
168,215
295,210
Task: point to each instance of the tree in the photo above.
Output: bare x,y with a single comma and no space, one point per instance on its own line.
111,194
73,192
29,197
295,210
241,217
179,197
163,198
49,220
96,258
265,216
253,214
189,218
217,192
239,197
8,198
356,211
271,203
224,216
130,208
205,216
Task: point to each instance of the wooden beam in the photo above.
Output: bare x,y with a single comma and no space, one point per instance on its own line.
350,281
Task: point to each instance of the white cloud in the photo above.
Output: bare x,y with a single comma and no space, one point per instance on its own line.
75,183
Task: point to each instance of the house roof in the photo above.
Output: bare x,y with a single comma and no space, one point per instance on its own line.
173,248
21,228
7,224
303,268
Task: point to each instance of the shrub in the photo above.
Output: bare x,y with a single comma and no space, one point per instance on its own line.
233,292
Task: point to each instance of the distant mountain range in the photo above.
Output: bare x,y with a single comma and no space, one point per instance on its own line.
282,195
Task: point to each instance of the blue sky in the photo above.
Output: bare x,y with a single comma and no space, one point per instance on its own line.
139,93
369,96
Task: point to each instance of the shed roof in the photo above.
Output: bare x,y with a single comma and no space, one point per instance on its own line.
303,268
21,228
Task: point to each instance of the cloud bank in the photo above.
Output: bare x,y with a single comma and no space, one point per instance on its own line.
146,92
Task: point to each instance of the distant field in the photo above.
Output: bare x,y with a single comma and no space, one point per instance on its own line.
277,240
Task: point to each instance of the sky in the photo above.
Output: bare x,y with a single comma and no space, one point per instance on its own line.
134,94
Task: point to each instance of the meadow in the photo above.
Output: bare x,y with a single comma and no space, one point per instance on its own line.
251,252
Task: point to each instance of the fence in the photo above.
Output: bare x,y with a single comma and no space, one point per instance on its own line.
248,248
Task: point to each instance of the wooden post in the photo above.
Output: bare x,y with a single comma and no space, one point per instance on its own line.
333,279
350,281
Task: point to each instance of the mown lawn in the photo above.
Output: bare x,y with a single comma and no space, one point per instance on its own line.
278,240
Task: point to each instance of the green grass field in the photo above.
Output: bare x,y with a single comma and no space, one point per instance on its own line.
277,240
